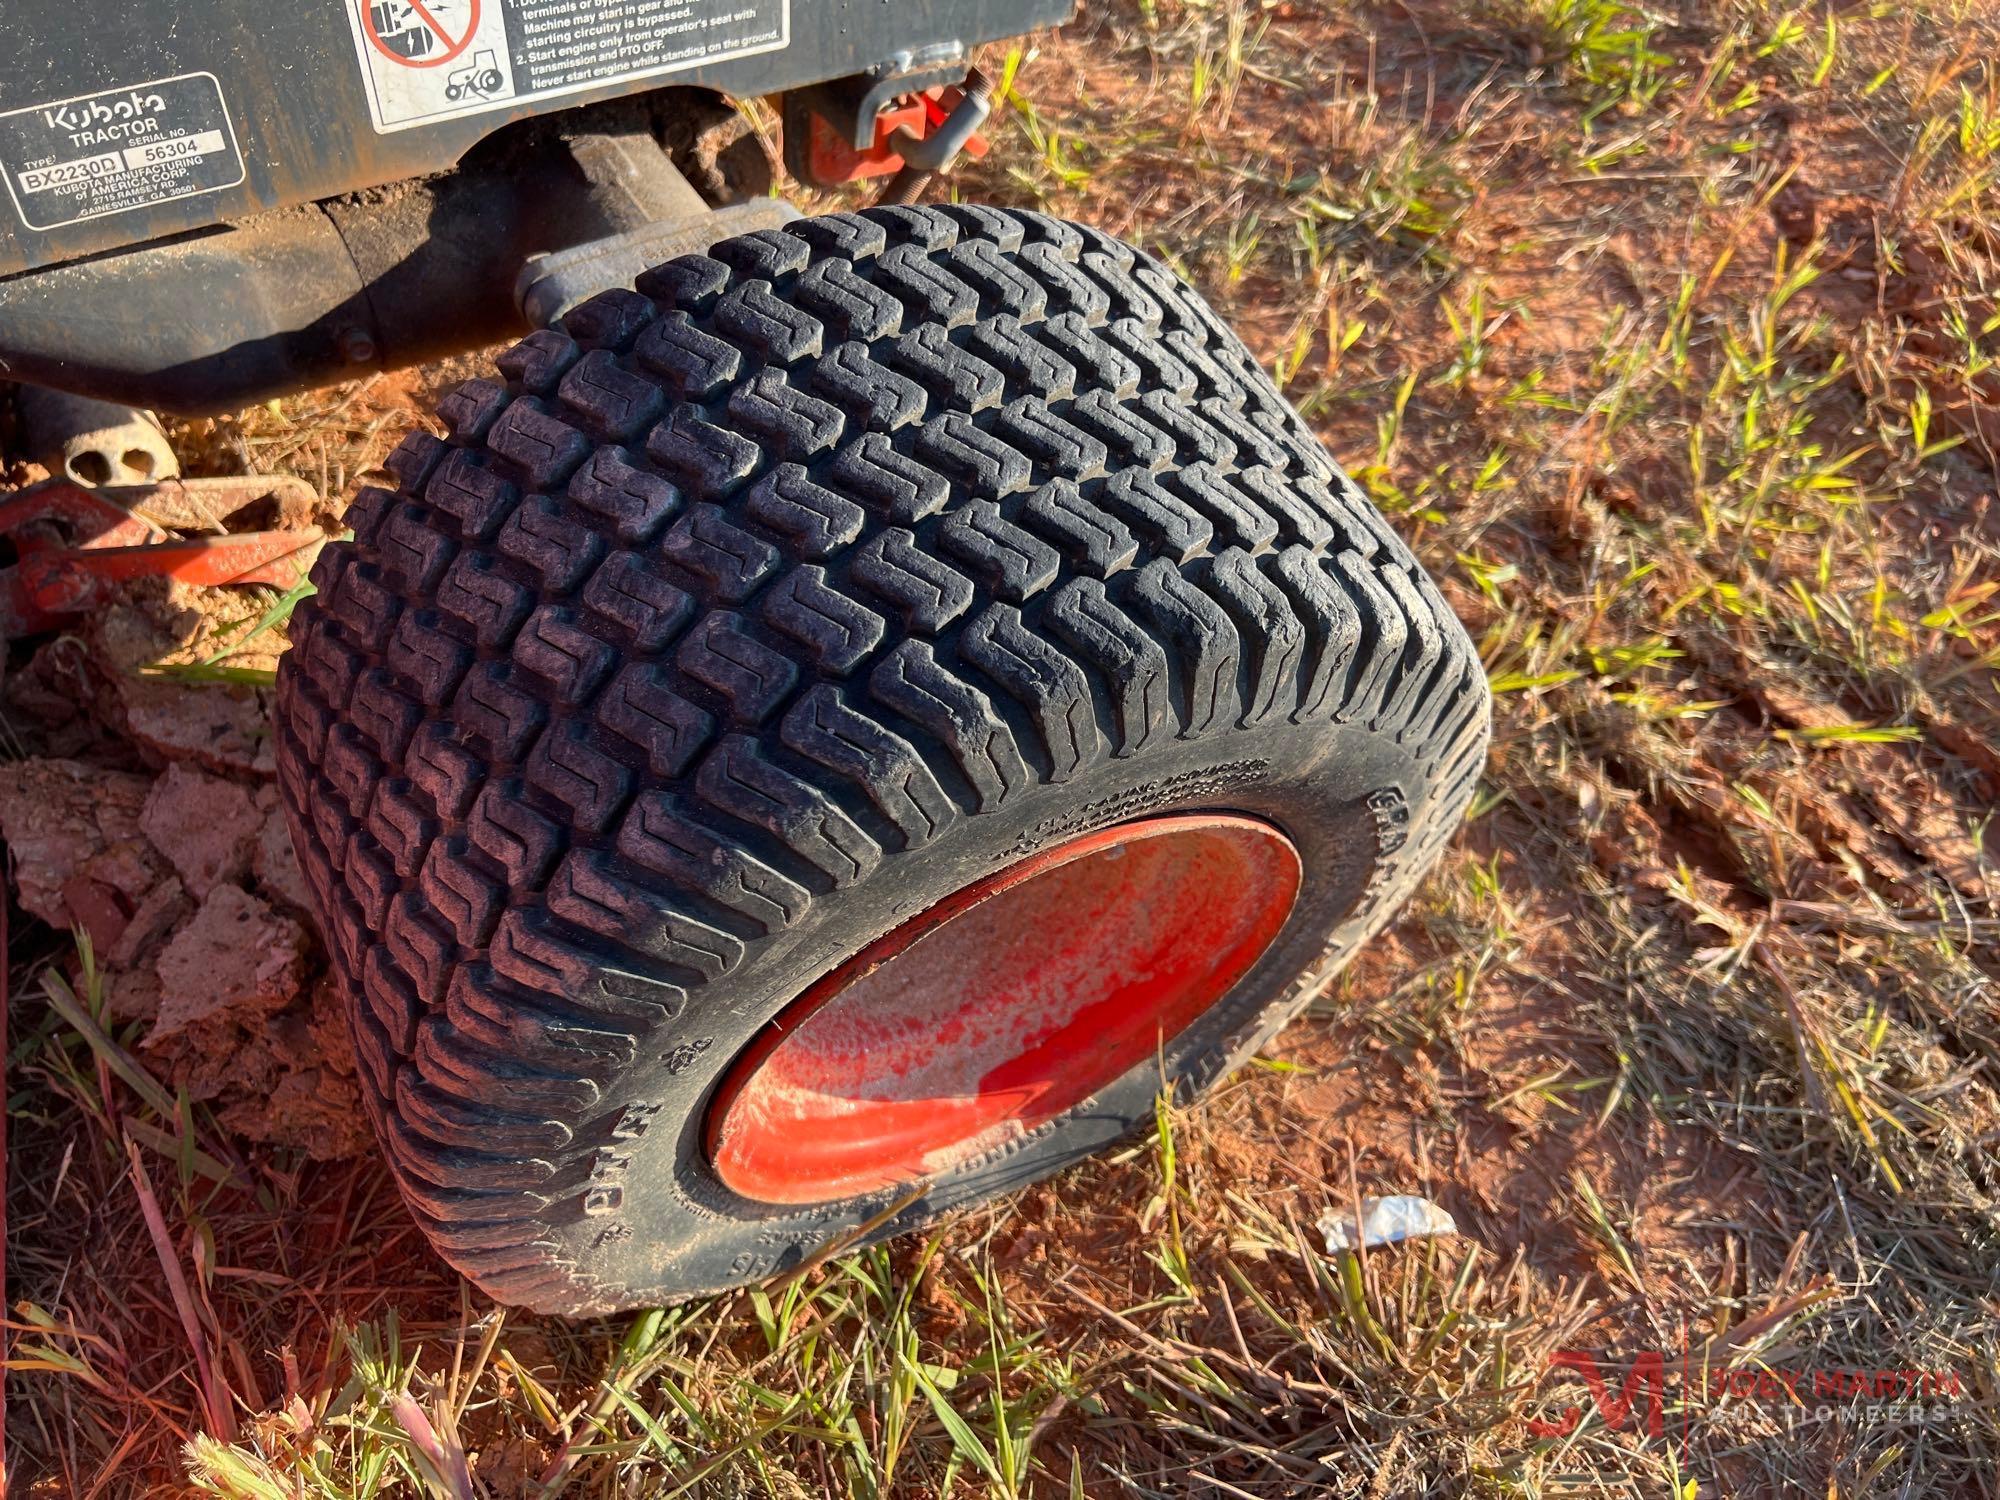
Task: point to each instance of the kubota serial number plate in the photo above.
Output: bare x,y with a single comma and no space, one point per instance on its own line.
118,149
430,60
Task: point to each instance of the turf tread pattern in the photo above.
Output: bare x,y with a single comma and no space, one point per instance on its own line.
738,582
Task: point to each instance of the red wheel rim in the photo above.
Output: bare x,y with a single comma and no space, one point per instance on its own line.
1000,1007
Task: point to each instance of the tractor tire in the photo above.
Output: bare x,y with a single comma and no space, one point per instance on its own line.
829,734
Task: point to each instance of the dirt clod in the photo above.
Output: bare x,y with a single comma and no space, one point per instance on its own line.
145,622
273,861
223,728
236,954
154,870
153,921
206,826
74,833
285,1076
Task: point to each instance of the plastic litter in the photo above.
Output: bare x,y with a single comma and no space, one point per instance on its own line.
1384,1221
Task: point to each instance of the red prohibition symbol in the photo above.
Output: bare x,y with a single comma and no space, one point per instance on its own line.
409,33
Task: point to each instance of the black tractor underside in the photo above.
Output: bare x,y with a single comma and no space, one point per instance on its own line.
208,202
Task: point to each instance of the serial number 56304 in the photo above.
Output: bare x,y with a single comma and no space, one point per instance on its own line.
157,151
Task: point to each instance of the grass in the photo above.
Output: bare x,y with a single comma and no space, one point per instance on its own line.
1668,335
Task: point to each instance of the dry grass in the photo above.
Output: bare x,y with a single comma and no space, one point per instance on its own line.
1668,336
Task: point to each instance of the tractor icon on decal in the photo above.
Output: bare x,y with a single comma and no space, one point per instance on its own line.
483,80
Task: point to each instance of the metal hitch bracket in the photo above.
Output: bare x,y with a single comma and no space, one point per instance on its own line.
74,543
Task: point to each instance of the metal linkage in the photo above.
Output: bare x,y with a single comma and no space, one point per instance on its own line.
73,544
93,442
935,153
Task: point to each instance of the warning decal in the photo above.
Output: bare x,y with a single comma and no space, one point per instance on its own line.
429,60
118,149
415,35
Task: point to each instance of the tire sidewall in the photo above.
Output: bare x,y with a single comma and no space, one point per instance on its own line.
652,1209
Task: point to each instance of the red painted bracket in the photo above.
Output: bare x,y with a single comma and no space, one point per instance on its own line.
73,544
833,159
